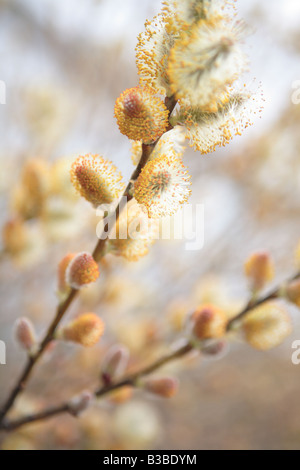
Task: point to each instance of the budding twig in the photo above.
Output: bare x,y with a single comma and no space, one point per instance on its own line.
272,295
63,307
131,379
105,390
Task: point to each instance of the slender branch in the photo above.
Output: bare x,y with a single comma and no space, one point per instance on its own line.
105,390
132,379
147,150
275,293
32,360
97,254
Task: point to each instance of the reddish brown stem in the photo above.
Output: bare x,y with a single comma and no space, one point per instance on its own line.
132,379
32,360
62,308
105,390
272,295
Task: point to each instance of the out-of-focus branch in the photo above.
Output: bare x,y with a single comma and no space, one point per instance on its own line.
131,379
275,293
63,307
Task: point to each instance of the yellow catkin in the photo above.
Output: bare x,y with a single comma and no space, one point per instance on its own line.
15,236
135,233
204,62
136,152
267,326
82,270
96,179
209,130
209,321
86,330
259,269
293,292
163,186
141,115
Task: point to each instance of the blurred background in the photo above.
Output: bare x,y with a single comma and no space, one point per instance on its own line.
64,64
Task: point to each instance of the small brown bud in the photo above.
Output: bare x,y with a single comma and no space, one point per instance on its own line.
24,333
259,269
61,272
215,349
80,403
115,362
165,387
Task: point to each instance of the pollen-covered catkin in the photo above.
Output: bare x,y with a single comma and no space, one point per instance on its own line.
209,321
141,115
259,269
163,186
266,326
96,179
86,330
81,270
135,233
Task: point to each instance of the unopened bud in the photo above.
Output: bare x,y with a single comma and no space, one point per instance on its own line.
141,115
292,292
215,349
80,403
82,270
63,286
86,330
24,333
266,326
115,362
165,387
259,269
209,322
15,236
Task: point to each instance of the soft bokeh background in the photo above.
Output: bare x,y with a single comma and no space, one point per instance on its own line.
64,64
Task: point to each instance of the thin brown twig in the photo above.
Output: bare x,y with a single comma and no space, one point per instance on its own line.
275,293
129,380
32,360
97,254
132,379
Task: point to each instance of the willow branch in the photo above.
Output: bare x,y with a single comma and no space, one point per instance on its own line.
274,294
32,360
131,379
97,254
